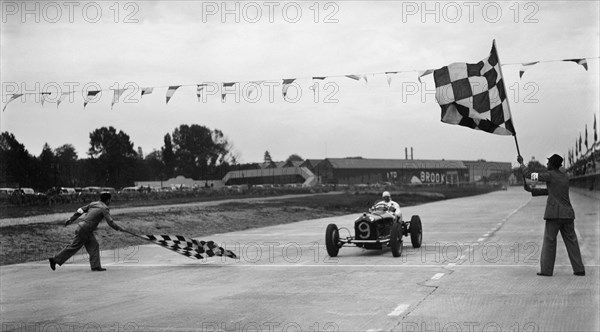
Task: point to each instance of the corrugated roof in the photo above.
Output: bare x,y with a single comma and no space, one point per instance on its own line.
346,163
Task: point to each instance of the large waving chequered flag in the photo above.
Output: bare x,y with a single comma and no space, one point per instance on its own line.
473,95
188,247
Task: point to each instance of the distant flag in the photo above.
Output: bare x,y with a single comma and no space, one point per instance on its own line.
389,75
423,73
582,62
576,148
595,131
171,92
147,91
188,247
90,96
319,78
117,94
223,92
586,136
286,84
62,97
571,156
526,66
13,97
580,143
473,95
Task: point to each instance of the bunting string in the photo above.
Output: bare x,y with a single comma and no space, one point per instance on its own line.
200,88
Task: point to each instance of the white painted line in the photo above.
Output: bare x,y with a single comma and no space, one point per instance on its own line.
451,264
374,330
480,239
462,257
437,276
499,224
399,310
486,234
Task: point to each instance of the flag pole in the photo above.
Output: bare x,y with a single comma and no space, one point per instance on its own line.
507,101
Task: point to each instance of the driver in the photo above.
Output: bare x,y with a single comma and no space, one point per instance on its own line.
392,206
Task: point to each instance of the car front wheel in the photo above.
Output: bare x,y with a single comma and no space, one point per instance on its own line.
332,239
396,239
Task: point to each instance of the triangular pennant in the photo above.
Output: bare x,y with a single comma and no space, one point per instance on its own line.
62,97
526,66
223,92
358,77
89,97
389,75
252,86
171,91
147,91
582,62
117,94
320,78
423,73
199,88
286,84
44,97
13,97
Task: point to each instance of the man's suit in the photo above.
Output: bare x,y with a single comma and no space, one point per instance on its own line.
559,216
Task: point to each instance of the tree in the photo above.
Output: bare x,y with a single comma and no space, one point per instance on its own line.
115,156
48,169
15,161
155,168
199,152
267,158
66,153
168,157
293,157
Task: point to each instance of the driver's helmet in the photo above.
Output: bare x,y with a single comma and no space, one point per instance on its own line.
386,194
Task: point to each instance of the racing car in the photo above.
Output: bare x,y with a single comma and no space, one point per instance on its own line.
375,229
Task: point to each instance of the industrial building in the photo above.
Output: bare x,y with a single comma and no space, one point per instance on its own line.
353,171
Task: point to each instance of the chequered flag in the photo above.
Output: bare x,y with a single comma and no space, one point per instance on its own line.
188,247
473,95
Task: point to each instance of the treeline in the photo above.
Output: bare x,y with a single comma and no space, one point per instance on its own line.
193,151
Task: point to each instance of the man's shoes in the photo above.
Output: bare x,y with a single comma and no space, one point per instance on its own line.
544,274
582,273
98,269
52,263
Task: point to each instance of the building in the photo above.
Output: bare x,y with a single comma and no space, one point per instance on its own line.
482,170
395,171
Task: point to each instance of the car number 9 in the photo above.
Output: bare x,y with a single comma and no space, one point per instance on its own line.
365,230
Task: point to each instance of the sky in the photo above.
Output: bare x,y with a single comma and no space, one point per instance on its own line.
62,46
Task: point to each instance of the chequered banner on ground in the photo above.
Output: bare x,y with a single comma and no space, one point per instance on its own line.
189,247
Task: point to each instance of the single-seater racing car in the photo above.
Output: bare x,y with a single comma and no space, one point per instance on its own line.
376,229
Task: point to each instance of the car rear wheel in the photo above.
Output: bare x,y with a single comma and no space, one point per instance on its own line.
332,239
416,231
396,239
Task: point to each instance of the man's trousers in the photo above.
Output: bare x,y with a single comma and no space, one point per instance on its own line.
567,231
82,238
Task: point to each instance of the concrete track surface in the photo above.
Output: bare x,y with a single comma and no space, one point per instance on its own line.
476,271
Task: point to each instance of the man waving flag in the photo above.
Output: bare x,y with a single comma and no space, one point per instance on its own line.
473,95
